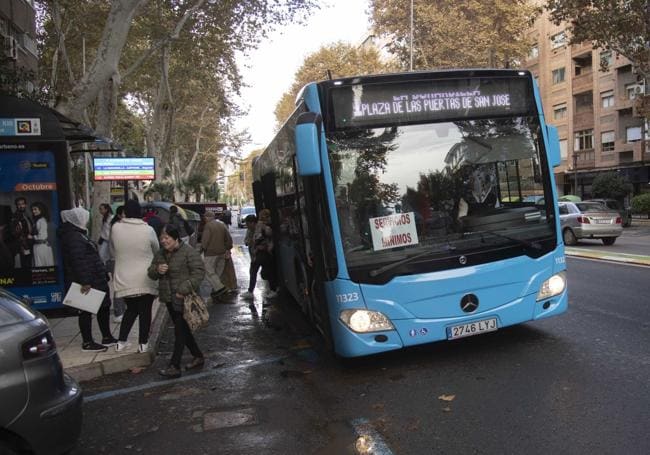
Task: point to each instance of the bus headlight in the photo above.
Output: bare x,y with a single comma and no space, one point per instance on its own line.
364,321
555,285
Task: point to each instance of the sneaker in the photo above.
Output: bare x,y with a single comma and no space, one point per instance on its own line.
197,362
170,372
91,346
122,346
118,319
108,342
270,294
248,295
143,347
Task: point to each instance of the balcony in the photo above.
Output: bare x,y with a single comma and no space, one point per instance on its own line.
623,103
581,50
583,83
584,159
583,119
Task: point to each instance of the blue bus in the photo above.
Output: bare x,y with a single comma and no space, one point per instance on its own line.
417,207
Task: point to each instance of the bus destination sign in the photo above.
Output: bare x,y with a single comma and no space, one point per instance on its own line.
380,104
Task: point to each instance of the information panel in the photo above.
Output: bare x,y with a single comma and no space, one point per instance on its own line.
432,100
106,169
30,260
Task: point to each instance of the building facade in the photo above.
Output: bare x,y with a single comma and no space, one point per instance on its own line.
596,112
18,33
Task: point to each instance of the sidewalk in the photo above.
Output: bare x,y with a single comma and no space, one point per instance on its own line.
605,256
88,365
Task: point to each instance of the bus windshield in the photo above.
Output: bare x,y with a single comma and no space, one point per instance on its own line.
426,197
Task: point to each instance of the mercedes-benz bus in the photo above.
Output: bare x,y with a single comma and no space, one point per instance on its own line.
416,207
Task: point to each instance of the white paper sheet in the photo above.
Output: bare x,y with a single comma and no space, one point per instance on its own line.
88,302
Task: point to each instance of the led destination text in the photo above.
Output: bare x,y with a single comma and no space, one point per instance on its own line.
434,102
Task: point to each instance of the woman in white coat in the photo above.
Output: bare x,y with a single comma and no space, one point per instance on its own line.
133,244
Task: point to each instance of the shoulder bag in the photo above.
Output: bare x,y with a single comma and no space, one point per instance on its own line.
195,312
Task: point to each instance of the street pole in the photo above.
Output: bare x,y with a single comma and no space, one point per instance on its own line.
411,64
575,173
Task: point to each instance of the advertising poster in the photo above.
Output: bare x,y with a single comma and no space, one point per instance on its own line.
30,263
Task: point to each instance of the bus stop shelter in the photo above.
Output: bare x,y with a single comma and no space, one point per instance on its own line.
35,185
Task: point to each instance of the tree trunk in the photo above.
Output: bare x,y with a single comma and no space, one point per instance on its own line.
106,60
106,109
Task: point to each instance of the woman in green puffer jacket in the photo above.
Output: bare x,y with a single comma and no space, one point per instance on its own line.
179,270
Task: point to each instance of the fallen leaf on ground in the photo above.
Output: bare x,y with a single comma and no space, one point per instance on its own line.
446,409
137,370
447,397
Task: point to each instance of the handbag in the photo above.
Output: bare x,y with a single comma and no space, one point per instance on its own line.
195,312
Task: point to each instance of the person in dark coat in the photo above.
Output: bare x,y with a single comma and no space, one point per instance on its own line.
83,265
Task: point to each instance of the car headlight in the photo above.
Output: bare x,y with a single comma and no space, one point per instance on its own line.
555,285
364,321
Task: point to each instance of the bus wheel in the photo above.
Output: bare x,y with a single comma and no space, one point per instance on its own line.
569,237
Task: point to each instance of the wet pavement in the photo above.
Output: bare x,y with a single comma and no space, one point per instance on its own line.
270,387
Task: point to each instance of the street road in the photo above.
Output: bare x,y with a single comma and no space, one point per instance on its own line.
634,240
574,384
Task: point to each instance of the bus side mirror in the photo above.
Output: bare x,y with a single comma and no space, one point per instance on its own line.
308,128
554,157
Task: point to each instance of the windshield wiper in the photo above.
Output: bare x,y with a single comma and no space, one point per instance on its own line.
527,243
387,267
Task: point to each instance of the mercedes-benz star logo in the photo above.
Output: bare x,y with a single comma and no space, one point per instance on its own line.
462,260
469,303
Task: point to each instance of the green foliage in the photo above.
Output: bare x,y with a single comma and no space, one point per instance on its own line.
20,82
451,34
197,184
164,189
178,84
641,204
610,185
619,26
341,60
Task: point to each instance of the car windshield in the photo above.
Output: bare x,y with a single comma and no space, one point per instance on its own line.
414,198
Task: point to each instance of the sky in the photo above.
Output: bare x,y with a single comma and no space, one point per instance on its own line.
269,71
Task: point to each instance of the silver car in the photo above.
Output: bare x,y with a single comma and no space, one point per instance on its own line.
40,406
243,213
589,220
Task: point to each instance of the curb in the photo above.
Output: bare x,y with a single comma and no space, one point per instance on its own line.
605,256
127,361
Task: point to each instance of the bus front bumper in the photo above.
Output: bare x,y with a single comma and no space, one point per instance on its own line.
411,332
